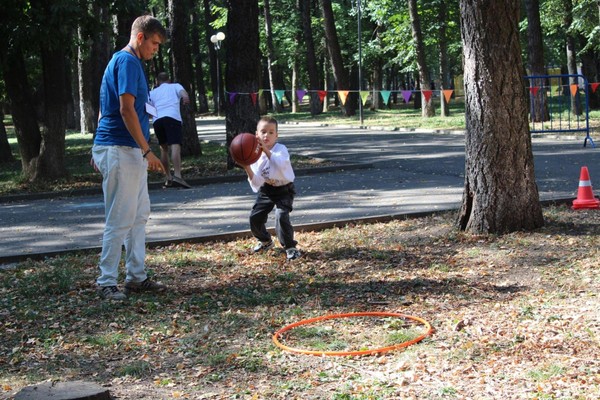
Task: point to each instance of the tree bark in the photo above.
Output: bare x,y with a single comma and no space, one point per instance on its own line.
50,163
88,116
19,92
427,108
571,56
535,50
444,70
200,92
311,58
243,69
178,15
271,56
341,75
500,193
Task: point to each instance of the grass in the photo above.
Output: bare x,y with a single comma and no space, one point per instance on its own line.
524,326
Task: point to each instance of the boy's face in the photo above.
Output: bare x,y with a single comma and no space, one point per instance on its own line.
267,133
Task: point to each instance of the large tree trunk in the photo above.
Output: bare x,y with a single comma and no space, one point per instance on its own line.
535,50
243,68
571,55
340,73
215,67
178,15
427,108
23,112
200,92
500,193
50,164
271,57
444,70
88,116
311,58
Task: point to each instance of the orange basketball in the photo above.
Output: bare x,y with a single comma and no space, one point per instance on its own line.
245,149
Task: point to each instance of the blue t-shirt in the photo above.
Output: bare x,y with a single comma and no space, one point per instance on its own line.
124,74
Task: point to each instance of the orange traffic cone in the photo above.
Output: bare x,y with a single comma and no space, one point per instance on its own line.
585,196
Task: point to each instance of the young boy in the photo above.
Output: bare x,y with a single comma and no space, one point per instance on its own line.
272,177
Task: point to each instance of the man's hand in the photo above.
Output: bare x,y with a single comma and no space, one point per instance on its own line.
154,163
93,164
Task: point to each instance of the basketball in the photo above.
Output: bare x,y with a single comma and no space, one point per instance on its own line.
245,149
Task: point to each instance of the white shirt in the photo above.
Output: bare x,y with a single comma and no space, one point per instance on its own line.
276,171
166,99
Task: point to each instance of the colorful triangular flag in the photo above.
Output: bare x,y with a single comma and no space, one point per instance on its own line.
427,94
364,95
343,96
406,95
448,94
385,94
534,90
574,89
300,93
232,97
279,94
253,97
322,94
594,86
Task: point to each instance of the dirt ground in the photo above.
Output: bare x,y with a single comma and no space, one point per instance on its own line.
514,316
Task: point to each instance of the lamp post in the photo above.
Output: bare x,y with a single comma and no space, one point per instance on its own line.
216,40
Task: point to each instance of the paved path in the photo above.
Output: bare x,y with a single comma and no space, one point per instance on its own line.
406,172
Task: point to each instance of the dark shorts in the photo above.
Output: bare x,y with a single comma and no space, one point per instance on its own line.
168,130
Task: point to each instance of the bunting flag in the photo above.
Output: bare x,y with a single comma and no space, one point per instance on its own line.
343,95
427,94
300,93
534,90
232,97
385,94
279,94
260,92
322,94
364,95
448,94
406,95
574,89
594,86
253,97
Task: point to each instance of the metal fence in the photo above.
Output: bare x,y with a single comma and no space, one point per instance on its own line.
551,97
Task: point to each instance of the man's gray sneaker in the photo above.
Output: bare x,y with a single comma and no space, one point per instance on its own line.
263,246
111,293
147,285
292,253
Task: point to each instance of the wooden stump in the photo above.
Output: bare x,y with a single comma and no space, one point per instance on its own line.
77,390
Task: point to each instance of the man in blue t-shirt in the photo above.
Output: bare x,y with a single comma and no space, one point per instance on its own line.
122,154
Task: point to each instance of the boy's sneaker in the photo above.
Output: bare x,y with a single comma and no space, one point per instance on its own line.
147,285
111,293
292,253
263,246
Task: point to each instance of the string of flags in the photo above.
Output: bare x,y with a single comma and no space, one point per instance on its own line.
574,88
343,94
385,94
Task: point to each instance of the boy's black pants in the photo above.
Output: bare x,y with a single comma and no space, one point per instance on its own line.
269,197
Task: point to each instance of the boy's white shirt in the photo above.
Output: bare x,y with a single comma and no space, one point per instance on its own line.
276,171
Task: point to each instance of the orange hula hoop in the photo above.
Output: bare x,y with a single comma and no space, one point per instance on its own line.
276,335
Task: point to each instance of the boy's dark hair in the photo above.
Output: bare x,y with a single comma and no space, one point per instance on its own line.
162,77
149,25
269,120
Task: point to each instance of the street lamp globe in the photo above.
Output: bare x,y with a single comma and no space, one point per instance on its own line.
220,36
